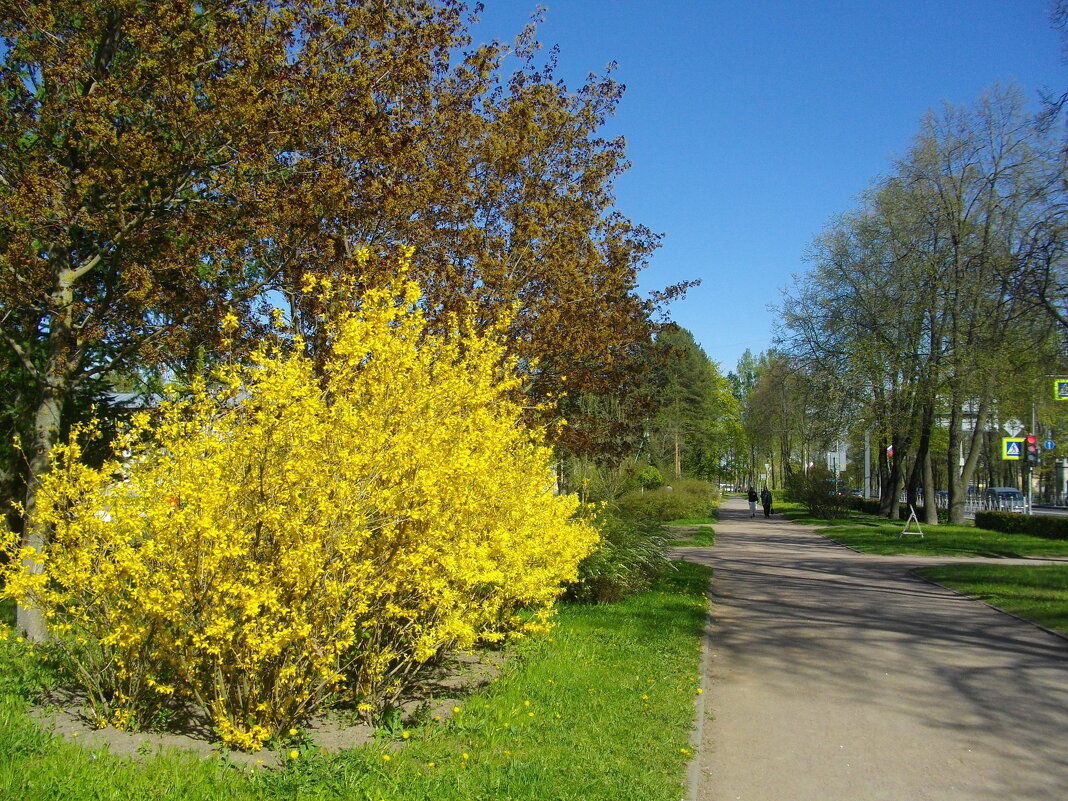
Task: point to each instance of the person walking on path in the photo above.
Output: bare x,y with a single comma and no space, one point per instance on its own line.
752,502
765,501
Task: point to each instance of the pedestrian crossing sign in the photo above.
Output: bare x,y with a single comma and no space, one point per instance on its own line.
1060,389
1012,448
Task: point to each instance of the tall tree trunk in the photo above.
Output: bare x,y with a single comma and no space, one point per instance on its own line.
960,477
890,505
46,429
889,481
920,474
784,458
930,499
914,479
64,359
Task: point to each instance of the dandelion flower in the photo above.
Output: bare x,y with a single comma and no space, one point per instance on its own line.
386,757
405,735
292,732
294,754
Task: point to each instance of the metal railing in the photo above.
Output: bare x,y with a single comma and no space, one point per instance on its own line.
973,502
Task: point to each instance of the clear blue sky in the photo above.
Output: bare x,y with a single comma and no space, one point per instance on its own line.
750,124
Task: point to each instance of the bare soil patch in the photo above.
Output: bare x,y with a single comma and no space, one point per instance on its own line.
444,686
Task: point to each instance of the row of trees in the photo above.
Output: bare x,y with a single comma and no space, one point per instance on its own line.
782,421
677,415
934,311
696,417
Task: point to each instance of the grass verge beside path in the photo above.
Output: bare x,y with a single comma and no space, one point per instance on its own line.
1038,593
871,534
691,532
600,709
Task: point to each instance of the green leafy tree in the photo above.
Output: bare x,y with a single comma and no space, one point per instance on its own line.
695,406
164,167
790,413
743,380
914,306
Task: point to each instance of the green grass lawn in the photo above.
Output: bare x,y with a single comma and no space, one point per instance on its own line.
692,521
600,709
1038,593
691,531
871,534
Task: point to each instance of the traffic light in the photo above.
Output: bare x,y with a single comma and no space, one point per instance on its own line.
1032,449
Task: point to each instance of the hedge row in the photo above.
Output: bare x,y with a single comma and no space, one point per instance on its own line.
870,506
1050,528
684,498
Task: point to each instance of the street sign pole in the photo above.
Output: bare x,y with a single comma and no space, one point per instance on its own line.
1030,472
1030,497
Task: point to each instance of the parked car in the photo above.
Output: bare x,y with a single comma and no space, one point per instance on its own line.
1003,499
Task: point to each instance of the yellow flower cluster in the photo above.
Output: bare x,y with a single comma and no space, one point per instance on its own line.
282,534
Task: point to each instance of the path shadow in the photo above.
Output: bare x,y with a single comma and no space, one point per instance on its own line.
796,609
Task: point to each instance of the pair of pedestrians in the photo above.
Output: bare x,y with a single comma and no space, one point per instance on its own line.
765,501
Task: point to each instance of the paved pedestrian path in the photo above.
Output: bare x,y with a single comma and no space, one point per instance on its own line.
838,676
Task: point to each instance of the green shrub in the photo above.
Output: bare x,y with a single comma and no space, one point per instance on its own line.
1050,528
872,506
648,477
869,506
631,555
684,498
815,489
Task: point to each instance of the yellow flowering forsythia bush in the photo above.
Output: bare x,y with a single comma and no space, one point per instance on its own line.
277,539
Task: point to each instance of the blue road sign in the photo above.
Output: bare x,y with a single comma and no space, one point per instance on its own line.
1049,444
1012,448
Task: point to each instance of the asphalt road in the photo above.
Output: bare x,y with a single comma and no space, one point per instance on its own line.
841,677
